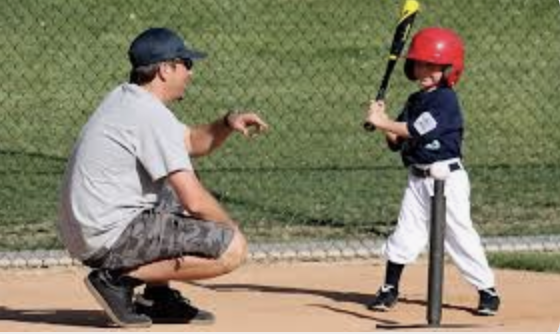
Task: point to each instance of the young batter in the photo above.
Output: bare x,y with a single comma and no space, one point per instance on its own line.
430,129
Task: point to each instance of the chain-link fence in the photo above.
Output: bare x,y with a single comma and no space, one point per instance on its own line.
308,67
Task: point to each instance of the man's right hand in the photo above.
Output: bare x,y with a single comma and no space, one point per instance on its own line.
248,123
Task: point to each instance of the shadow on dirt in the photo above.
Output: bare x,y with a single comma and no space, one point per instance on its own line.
84,318
337,296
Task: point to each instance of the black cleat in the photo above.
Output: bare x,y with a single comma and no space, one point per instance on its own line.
489,302
385,298
114,294
165,305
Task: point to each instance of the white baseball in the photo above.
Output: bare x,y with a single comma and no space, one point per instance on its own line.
439,171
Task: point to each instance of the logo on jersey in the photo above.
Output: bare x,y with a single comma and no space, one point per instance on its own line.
425,123
433,146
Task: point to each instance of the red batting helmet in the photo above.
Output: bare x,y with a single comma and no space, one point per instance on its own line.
437,46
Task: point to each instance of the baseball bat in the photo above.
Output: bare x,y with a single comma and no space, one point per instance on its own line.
409,11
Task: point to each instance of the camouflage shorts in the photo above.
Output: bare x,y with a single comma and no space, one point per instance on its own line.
159,234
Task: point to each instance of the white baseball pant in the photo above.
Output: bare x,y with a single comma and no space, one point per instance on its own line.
462,241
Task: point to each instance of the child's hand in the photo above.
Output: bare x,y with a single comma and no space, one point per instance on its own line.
376,114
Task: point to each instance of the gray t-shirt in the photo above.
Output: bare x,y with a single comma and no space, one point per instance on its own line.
118,168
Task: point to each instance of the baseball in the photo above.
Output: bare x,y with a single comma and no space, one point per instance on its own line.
439,171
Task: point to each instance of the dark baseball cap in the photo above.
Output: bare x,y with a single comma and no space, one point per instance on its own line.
160,44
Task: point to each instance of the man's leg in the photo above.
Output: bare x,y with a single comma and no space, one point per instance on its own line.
160,246
166,305
187,268
213,249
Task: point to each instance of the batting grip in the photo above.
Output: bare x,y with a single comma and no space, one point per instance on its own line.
435,270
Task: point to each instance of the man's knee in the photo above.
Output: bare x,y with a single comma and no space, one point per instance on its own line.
235,254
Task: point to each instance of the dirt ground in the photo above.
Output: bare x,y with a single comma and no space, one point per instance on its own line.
325,297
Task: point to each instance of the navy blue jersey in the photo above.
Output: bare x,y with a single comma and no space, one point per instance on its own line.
435,124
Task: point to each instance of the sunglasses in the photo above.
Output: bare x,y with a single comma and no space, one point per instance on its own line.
189,64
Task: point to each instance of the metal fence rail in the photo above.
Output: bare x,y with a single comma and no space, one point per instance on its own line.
334,250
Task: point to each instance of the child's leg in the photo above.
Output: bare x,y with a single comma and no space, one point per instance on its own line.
462,241
411,234
393,273
404,245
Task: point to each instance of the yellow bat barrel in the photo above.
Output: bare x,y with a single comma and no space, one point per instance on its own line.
410,7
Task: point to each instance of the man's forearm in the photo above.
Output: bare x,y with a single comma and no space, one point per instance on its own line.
196,199
211,210
206,138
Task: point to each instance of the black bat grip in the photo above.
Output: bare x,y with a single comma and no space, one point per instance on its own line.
382,88
369,126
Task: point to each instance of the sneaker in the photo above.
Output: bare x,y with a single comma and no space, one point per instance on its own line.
167,305
114,294
385,298
489,302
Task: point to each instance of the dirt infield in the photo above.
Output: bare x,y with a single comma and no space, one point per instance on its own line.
289,297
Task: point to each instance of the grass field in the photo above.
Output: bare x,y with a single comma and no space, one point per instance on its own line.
539,262
308,66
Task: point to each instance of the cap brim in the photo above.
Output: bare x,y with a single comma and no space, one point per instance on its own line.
193,55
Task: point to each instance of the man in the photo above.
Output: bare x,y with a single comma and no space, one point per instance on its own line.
132,207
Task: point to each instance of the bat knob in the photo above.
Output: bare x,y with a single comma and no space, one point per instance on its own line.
369,127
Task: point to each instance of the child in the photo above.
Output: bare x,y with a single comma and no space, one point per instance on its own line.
430,129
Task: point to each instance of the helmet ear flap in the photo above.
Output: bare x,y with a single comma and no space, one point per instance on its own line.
451,75
447,72
409,69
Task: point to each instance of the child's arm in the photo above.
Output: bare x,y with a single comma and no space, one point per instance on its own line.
391,138
378,117
393,141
